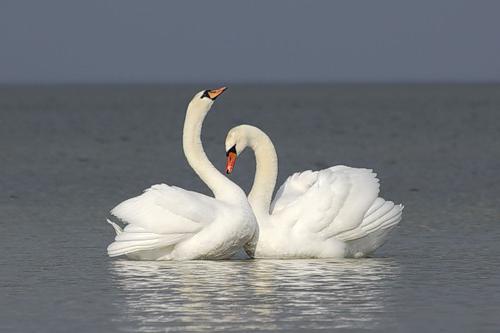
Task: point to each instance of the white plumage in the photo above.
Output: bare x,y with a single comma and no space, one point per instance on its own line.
162,216
335,212
170,223
339,203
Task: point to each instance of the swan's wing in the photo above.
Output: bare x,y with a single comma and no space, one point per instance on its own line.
381,215
293,188
327,202
161,216
164,209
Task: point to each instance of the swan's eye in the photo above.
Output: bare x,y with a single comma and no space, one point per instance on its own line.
205,94
232,150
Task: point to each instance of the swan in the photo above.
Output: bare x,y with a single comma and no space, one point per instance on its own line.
331,213
170,223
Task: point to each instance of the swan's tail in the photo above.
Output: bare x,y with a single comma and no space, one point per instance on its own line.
115,226
135,241
379,220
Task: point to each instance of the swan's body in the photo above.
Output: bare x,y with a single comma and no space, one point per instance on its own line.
170,223
331,213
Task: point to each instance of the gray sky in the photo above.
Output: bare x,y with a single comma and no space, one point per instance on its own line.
249,41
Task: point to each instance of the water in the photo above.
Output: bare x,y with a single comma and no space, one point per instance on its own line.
69,154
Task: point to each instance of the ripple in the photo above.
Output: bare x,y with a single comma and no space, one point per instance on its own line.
250,294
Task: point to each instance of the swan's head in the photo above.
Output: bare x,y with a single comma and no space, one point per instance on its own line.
236,142
205,99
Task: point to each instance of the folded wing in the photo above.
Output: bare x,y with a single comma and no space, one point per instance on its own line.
327,203
162,216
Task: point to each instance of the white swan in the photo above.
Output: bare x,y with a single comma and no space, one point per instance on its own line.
169,223
331,213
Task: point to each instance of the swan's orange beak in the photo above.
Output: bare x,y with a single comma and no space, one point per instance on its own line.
214,93
231,160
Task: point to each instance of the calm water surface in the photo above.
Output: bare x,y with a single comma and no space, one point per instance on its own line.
69,154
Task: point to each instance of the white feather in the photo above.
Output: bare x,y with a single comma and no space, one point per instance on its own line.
335,212
334,205
169,223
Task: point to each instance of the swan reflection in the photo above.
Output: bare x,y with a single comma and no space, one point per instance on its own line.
253,294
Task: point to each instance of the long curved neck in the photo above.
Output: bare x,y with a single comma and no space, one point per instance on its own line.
221,186
266,162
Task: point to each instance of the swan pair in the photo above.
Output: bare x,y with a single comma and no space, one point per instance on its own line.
332,213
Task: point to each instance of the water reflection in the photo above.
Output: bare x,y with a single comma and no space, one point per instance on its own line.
253,294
